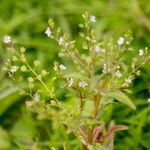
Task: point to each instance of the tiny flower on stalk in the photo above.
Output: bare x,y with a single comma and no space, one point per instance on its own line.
105,68
60,41
118,74
13,69
148,100
97,49
82,84
92,18
141,52
120,41
118,67
48,32
70,82
62,67
37,97
128,81
7,39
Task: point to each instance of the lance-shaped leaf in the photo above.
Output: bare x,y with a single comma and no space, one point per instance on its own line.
113,129
121,97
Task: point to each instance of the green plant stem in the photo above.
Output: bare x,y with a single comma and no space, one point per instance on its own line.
51,94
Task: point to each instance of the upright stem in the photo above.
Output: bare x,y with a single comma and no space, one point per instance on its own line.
96,106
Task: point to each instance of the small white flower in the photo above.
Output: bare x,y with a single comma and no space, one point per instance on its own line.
37,97
62,67
148,100
92,18
48,32
128,80
70,82
7,39
118,74
118,67
120,41
104,68
61,41
141,52
13,69
97,49
82,84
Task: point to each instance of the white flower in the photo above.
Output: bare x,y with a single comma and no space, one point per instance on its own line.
120,41
62,67
148,100
92,18
70,82
128,80
48,32
82,84
97,49
104,68
118,67
37,97
13,69
61,41
7,39
118,74
141,52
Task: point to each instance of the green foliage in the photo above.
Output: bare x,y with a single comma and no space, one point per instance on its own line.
101,75
27,22
120,96
4,139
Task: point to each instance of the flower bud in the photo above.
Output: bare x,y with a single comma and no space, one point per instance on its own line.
30,79
22,49
23,68
36,63
44,73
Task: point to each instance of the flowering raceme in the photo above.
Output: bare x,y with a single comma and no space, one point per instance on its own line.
97,75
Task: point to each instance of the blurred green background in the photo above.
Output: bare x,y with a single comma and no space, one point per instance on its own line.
26,22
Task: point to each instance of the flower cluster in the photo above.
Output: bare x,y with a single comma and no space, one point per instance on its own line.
25,75
98,73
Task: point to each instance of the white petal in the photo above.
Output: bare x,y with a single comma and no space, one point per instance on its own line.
70,82
141,52
13,69
92,18
48,32
62,67
118,74
120,41
7,39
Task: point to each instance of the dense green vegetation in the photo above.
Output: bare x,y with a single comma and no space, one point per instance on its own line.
26,22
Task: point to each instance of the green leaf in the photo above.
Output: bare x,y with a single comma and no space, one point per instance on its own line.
8,92
121,97
4,140
7,98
